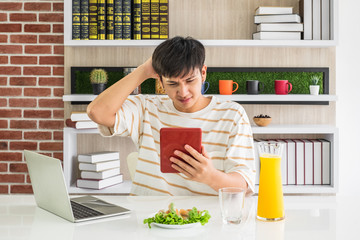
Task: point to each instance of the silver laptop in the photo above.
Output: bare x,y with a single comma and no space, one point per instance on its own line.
51,194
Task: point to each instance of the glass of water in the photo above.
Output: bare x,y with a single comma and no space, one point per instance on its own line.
231,204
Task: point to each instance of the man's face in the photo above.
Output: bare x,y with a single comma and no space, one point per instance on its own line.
185,92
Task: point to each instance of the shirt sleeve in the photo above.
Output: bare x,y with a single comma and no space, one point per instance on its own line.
128,120
240,156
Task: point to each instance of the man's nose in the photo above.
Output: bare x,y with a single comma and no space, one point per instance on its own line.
183,90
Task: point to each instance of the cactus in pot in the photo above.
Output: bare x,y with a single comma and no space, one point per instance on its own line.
314,87
98,79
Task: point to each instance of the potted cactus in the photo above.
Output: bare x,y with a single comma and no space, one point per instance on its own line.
314,87
98,79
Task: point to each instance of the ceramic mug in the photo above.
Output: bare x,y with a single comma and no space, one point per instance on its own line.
254,87
204,87
282,87
226,87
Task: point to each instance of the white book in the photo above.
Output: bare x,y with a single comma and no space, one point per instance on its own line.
316,19
309,167
85,125
284,162
277,36
257,161
99,184
101,166
277,18
280,27
273,10
100,175
326,161
306,14
98,157
316,160
79,116
291,168
300,162
325,19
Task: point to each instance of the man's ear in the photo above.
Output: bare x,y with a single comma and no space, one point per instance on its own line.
203,72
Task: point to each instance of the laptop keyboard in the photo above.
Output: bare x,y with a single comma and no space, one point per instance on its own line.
81,211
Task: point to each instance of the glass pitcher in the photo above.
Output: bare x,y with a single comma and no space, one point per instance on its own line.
270,197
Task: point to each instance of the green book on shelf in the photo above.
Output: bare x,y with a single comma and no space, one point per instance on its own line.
118,32
76,20
101,20
126,20
155,19
110,19
145,19
164,19
93,28
84,19
137,19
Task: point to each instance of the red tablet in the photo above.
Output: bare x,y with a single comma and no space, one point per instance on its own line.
172,139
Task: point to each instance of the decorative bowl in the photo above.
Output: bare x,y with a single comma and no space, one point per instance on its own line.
261,121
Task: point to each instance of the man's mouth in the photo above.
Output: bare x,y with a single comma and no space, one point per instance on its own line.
185,100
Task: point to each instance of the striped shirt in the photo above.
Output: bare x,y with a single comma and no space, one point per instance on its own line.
226,136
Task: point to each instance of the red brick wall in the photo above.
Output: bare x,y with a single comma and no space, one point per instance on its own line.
31,86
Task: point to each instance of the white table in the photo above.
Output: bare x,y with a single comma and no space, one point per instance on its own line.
307,217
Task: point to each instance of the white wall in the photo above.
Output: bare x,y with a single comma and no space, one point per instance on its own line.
348,91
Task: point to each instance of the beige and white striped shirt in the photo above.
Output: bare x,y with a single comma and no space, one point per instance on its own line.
226,136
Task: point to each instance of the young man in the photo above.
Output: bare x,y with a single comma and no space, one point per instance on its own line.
227,158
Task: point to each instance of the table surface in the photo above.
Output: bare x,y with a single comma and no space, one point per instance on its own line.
306,217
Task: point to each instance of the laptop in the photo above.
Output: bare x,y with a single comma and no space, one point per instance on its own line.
51,194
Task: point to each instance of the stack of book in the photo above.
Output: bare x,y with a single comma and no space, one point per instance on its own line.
316,18
277,23
99,170
303,162
80,120
120,19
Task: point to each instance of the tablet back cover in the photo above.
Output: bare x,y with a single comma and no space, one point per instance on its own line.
172,139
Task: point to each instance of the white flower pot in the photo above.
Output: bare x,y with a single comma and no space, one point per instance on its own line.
314,89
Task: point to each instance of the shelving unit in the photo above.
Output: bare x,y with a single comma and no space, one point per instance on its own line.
228,44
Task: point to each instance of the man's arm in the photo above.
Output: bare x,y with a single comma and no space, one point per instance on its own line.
103,109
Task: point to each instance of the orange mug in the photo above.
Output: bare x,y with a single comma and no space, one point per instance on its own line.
226,87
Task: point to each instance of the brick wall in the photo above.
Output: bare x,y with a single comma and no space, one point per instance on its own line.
31,87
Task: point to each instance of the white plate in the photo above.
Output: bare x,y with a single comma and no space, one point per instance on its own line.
170,226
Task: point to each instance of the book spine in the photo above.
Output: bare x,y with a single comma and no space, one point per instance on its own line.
155,19
110,19
93,28
101,20
118,28
164,19
126,20
136,19
145,19
76,20
325,19
316,20
84,19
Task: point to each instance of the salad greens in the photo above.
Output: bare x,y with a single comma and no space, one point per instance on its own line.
179,217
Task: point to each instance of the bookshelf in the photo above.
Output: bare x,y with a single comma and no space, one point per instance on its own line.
228,44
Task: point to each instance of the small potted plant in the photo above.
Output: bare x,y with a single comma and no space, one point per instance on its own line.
98,79
314,87
262,120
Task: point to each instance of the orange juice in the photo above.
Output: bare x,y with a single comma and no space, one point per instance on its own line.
270,197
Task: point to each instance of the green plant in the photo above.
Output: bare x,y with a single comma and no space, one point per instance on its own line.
314,80
98,76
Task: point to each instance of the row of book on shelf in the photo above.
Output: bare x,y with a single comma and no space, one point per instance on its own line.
120,19
281,23
303,161
99,170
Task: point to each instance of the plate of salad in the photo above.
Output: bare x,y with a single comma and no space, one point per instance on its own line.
178,218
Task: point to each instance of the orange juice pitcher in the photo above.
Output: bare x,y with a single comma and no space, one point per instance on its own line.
270,197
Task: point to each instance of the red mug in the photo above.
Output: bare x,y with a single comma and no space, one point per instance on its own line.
282,87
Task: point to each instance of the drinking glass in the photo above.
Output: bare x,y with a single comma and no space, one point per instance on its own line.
231,204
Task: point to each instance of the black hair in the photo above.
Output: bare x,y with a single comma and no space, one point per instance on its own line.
178,56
